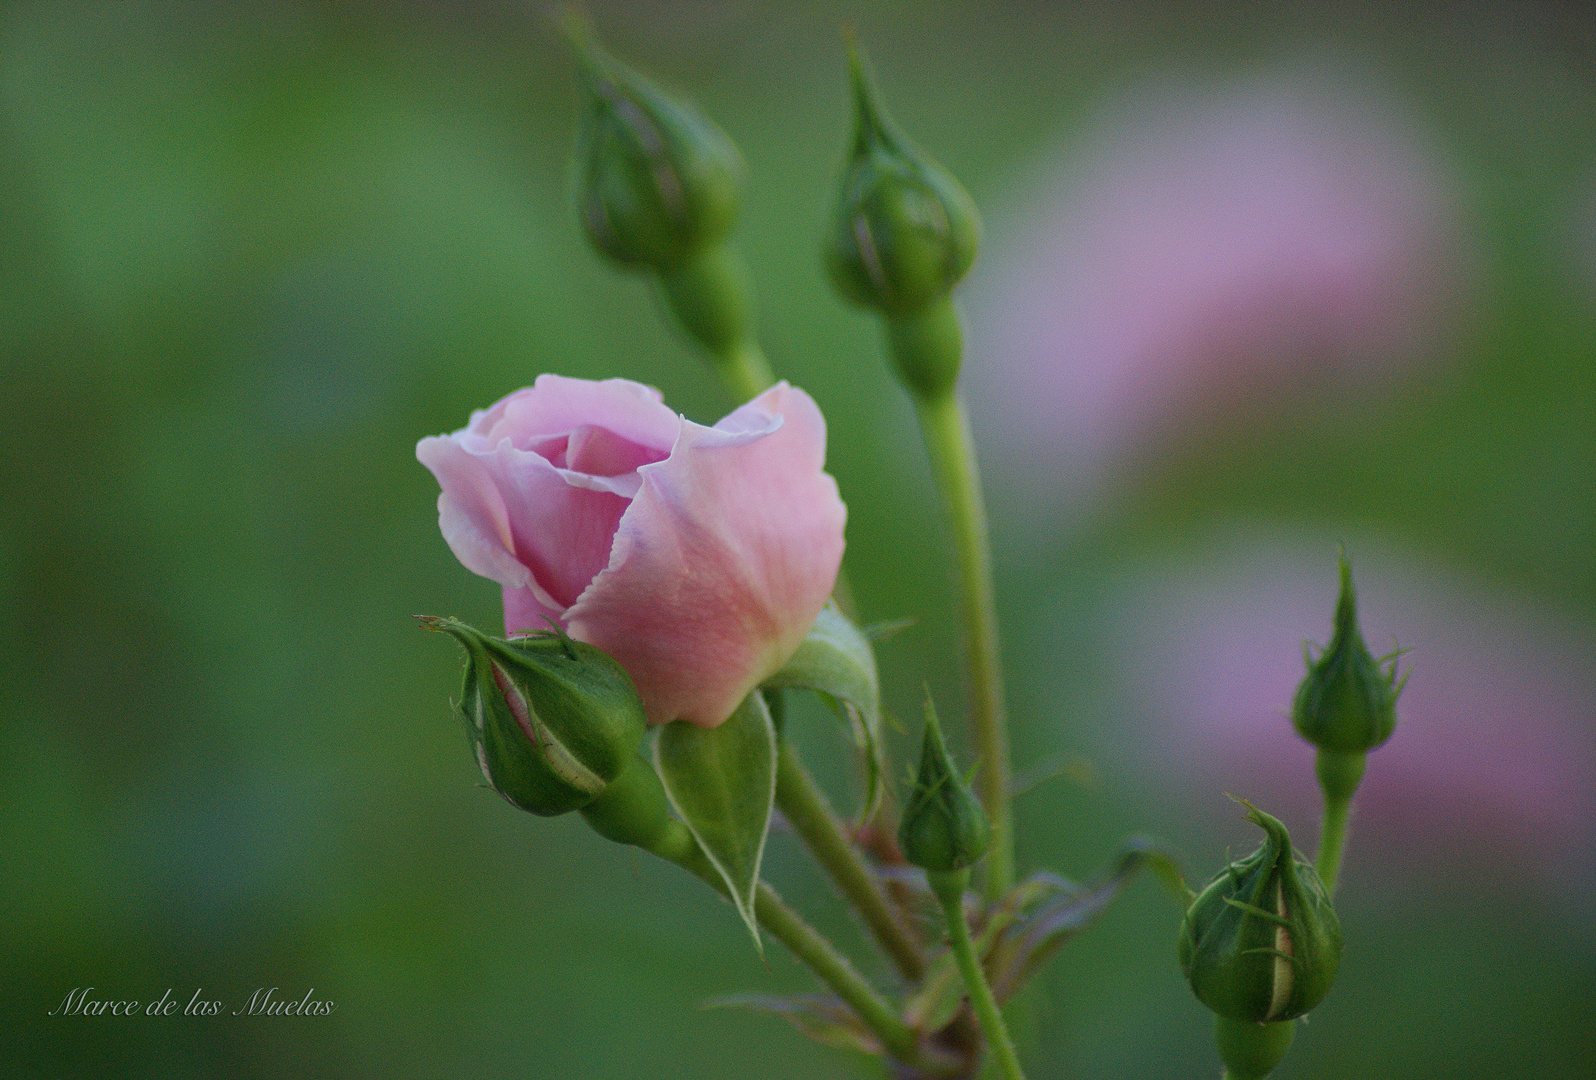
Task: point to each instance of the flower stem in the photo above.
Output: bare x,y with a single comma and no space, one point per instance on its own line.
745,371
949,888
822,957
946,429
805,807
1339,776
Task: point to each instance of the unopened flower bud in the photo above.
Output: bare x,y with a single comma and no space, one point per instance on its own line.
1347,702
553,720
659,181
904,231
943,827
1262,943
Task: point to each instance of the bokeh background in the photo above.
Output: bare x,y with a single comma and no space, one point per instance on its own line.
1257,280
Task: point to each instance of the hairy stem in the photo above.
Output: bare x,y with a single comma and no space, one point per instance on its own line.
1339,776
946,430
819,955
805,806
950,890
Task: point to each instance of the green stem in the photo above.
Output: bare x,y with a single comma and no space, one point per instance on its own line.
713,301
1251,1051
946,429
1339,776
949,888
745,371
829,965
805,807
634,810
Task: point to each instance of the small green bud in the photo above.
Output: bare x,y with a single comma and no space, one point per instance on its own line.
1347,703
1262,942
943,827
659,182
904,231
553,720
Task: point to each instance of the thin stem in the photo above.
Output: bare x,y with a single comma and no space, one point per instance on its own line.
745,371
1339,776
1332,840
805,806
946,429
807,944
950,890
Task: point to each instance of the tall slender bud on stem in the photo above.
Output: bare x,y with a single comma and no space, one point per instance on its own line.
943,827
658,181
1347,702
659,189
1346,706
903,234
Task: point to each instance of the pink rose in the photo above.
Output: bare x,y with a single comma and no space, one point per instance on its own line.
698,557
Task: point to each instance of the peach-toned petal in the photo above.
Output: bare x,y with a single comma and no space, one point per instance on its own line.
722,562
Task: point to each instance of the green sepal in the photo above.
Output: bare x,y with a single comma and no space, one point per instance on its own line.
837,661
722,782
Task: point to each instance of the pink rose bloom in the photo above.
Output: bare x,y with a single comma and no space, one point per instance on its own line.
697,556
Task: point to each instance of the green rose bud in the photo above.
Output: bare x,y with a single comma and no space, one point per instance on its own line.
943,827
553,721
659,182
1347,703
904,232
1262,943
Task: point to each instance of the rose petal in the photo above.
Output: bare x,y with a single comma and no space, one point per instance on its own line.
471,511
556,405
722,562
561,532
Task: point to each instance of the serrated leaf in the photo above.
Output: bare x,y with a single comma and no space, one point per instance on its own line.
836,659
821,1017
1046,930
722,781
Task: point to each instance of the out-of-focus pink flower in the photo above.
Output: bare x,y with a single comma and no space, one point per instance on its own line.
697,556
1493,759
1205,249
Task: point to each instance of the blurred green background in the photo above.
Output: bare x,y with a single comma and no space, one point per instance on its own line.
251,252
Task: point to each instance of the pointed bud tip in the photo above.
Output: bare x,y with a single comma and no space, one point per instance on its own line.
1346,703
943,827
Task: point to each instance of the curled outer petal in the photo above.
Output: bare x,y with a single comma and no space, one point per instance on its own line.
722,562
